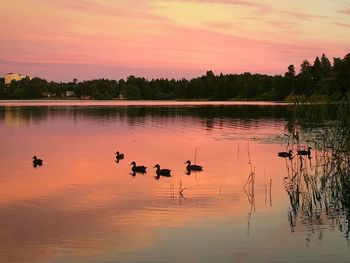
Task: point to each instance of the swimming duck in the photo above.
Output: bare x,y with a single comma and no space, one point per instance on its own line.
193,167
119,155
162,172
138,169
37,162
285,154
305,152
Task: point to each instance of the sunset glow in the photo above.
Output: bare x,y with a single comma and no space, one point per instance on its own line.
86,39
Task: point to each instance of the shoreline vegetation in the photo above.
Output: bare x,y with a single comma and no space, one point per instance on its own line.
320,81
321,193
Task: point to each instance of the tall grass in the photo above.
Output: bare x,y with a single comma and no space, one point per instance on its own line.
322,193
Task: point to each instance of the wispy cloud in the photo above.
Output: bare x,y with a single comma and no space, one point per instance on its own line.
342,24
303,16
221,25
259,7
140,9
227,2
345,11
243,3
282,24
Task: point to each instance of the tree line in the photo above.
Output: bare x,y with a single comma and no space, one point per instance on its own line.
320,78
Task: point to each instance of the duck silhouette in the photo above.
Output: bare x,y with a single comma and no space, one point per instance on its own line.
285,154
305,152
37,161
162,172
138,169
119,155
193,167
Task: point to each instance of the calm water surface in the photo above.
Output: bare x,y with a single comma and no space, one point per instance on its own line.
82,206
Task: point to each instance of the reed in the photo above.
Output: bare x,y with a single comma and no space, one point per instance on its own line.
321,194
249,186
181,189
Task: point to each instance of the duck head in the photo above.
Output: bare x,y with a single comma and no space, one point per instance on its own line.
133,163
188,162
157,166
34,157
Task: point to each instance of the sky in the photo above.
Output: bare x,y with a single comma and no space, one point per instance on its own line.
87,39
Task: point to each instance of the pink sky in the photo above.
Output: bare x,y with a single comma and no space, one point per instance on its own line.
87,39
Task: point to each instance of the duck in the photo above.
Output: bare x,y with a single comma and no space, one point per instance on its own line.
119,155
305,152
162,172
37,161
193,167
138,169
285,154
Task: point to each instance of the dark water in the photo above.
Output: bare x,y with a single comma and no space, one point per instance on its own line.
82,206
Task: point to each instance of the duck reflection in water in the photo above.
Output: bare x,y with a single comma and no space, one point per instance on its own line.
37,162
158,176
133,173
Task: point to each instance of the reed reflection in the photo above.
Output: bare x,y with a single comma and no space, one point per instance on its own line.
319,193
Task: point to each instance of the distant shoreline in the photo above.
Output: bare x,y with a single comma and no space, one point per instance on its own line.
320,81
72,102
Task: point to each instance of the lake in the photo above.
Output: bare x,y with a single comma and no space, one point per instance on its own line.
83,206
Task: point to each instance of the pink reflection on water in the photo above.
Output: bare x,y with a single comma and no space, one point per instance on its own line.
83,202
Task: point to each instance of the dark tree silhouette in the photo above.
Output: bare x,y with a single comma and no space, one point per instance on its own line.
319,79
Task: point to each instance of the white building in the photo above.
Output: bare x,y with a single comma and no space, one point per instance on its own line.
14,76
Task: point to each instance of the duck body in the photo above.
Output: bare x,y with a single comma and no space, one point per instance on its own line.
138,169
305,152
285,154
162,172
37,161
119,155
193,167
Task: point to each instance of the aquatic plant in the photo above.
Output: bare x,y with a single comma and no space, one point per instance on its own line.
319,189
